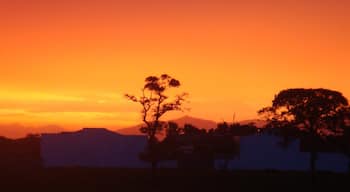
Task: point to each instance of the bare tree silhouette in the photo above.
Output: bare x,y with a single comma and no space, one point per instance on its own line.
155,103
315,112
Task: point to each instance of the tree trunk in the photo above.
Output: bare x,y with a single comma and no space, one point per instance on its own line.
154,164
226,163
152,154
349,166
313,158
313,154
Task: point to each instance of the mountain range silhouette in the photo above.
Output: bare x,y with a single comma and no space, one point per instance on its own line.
17,130
197,122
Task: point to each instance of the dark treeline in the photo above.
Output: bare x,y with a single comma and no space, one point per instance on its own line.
20,154
193,147
201,147
319,118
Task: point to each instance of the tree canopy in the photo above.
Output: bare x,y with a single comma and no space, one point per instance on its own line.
313,110
155,102
319,113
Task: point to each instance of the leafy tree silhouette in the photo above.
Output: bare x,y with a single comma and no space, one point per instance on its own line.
172,130
341,142
189,129
155,103
315,112
228,147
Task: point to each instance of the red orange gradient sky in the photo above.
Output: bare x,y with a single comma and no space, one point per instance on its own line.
69,62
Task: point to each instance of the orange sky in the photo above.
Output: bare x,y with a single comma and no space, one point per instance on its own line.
68,62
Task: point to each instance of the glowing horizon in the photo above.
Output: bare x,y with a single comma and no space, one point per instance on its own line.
69,64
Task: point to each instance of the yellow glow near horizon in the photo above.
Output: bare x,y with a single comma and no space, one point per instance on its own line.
69,63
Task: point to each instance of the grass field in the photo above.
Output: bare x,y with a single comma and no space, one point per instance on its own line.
98,179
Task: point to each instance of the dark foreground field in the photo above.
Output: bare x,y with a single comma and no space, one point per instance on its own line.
87,179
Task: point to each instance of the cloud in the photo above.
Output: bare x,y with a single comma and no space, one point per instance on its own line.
38,102
12,112
29,96
87,109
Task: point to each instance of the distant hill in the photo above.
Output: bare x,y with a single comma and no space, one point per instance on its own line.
92,147
20,154
197,122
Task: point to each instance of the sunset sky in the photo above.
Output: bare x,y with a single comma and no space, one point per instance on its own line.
67,63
